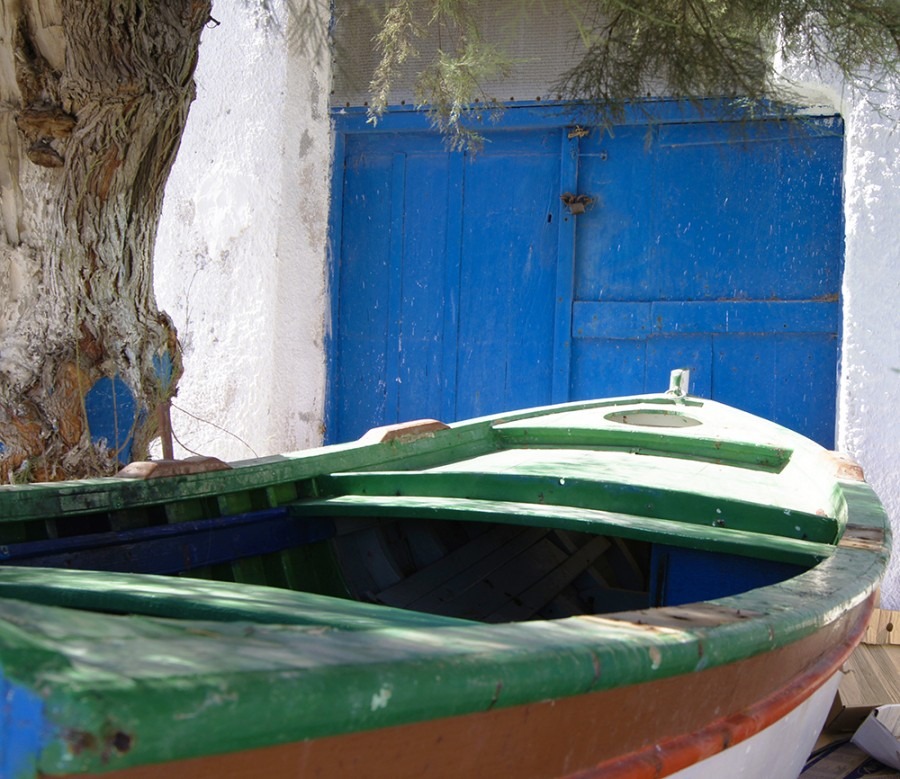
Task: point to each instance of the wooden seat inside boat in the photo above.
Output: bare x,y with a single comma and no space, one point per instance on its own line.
194,599
496,561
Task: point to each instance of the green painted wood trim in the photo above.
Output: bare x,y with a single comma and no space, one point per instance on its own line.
462,440
268,476
200,600
630,526
744,455
686,506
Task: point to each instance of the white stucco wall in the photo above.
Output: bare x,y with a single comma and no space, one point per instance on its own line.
868,425
868,420
239,260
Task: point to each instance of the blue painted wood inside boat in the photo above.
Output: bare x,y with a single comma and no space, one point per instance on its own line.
165,549
680,575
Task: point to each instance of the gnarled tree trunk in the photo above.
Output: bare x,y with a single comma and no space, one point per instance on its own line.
95,95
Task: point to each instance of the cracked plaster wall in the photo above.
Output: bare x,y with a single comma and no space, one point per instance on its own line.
868,422
240,258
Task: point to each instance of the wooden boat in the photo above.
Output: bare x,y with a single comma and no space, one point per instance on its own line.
645,586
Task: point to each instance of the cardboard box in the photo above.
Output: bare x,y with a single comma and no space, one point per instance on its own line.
879,735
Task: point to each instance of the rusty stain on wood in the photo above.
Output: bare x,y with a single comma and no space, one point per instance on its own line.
858,537
846,467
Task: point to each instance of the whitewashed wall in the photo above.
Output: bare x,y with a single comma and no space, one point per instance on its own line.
869,421
240,258
868,425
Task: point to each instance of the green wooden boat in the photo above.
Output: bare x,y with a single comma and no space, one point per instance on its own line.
643,586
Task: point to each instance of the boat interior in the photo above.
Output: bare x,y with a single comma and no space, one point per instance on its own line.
434,539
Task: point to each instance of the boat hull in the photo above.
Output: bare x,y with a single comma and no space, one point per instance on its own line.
755,718
776,752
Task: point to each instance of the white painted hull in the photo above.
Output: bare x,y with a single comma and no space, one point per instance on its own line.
777,752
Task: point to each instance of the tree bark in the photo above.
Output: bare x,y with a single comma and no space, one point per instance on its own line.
94,96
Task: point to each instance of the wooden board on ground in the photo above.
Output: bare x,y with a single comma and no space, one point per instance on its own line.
884,628
871,674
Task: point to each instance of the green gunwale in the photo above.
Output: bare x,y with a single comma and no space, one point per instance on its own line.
202,687
464,439
332,681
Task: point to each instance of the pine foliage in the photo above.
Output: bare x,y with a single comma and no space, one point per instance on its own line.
450,85
631,49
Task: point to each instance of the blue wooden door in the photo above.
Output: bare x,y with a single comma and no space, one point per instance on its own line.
463,286
717,247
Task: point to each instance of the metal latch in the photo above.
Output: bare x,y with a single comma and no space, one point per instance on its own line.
577,204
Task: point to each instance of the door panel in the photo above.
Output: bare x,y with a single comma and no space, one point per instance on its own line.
742,212
507,276
718,247
445,286
420,305
358,373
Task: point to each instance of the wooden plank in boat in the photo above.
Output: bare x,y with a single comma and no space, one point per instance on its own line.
629,526
609,600
629,573
488,599
572,542
249,570
461,569
427,579
198,599
556,431
527,603
676,503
